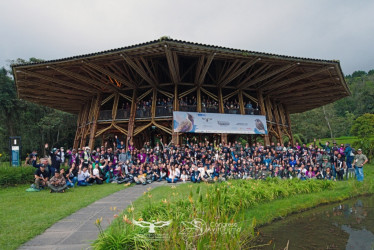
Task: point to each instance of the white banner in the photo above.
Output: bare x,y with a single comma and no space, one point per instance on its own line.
193,122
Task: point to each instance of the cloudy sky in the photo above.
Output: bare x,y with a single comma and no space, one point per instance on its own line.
324,29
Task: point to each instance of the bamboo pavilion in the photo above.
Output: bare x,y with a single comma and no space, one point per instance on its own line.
134,90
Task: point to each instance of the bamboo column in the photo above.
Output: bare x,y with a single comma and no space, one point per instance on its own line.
277,120
289,125
130,129
85,123
241,102
221,110
263,112
198,90
95,115
77,133
175,135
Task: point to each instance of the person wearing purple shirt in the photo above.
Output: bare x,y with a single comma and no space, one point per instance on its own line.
142,156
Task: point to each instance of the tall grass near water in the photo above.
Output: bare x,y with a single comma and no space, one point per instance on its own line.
210,216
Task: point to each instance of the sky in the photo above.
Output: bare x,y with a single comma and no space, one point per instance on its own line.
324,29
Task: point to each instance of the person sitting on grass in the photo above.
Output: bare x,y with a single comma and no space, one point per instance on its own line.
141,178
83,176
57,183
195,175
41,177
173,177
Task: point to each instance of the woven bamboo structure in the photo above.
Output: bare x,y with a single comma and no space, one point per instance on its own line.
105,89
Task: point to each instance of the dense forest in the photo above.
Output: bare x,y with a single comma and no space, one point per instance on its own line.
37,124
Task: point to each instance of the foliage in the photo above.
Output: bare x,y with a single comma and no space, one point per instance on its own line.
10,176
34,123
211,204
341,114
363,126
25,215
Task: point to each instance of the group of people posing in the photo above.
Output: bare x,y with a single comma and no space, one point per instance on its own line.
194,161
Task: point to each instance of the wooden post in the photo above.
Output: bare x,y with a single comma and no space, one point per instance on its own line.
277,120
241,102
130,129
289,124
263,112
198,90
96,112
84,124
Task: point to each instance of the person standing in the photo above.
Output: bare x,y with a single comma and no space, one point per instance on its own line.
359,161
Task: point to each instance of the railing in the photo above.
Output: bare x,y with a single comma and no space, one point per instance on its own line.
188,108
164,111
105,115
123,114
143,112
167,111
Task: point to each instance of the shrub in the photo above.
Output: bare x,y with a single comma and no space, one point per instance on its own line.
10,176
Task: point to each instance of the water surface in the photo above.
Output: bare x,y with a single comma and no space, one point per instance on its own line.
347,225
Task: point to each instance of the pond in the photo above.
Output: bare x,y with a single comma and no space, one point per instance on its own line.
347,225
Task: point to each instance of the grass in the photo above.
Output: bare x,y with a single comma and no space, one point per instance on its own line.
242,202
339,140
24,215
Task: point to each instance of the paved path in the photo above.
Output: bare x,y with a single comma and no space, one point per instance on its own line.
78,230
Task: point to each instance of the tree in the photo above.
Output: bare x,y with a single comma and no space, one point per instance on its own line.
363,126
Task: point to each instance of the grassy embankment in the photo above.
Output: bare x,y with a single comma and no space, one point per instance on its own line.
24,215
229,202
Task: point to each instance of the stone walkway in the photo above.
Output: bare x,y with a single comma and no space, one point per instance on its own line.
78,230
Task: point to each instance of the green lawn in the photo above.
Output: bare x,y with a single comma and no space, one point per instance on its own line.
24,215
339,140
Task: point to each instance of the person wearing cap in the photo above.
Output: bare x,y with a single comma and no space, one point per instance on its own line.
41,177
360,160
57,183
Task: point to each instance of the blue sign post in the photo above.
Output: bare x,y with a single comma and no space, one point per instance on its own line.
15,150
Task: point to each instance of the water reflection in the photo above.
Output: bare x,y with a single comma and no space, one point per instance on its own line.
349,225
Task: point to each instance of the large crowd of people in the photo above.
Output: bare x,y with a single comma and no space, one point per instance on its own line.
193,161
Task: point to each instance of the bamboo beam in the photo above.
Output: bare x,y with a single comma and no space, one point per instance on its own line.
144,94
181,95
295,79
109,73
140,70
238,72
315,97
95,112
172,64
270,74
43,86
107,99
199,68
33,91
140,129
167,130
250,97
263,112
175,135
205,69
126,97
59,82
308,92
279,76
210,94
165,93
287,89
231,94
84,79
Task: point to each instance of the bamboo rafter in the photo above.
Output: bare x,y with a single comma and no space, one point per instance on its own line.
107,99
210,94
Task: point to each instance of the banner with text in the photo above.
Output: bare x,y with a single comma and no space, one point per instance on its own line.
193,122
